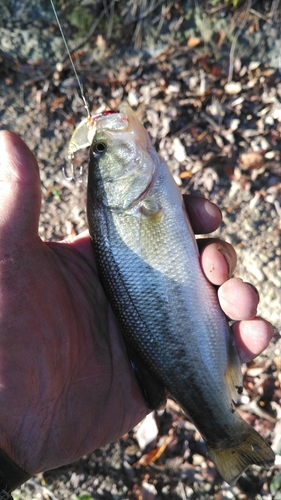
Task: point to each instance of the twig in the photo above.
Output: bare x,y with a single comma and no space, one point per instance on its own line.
277,208
218,8
258,14
255,409
274,8
233,45
110,15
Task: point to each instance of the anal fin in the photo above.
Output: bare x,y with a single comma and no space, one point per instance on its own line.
233,374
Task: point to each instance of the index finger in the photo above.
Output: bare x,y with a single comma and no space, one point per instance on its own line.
205,216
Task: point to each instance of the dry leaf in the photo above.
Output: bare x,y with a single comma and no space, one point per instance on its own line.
186,175
202,135
153,455
101,42
254,65
193,41
251,160
147,431
179,150
70,229
220,37
268,72
255,371
254,26
56,103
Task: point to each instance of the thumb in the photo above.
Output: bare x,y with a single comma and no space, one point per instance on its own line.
20,194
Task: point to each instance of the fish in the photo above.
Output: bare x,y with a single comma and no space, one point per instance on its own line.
177,337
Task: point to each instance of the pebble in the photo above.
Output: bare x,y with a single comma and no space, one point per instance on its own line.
149,491
254,268
179,150
273,277
133,98
233,87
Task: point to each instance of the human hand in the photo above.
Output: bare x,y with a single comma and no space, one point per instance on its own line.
239,300
66,386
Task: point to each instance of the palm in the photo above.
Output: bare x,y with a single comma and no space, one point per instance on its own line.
61,324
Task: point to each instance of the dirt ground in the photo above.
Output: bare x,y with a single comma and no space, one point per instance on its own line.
207,86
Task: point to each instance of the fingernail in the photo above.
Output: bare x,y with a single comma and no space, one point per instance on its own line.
16,159
228,257
8,157
212,209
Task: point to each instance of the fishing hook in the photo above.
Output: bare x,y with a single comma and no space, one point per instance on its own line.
73,177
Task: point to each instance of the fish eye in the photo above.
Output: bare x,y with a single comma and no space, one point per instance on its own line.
99,148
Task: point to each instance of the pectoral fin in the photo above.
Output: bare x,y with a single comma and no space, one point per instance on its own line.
151,207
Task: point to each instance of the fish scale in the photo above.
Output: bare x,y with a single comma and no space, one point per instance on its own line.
175,332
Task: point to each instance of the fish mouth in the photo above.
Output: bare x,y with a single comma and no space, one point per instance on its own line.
109,120
84,133
124,120
104,113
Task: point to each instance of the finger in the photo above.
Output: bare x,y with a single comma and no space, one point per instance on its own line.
19,193
252,337
81,243
218,259
204,215
238,299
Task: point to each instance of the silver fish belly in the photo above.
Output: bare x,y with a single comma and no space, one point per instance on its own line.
148,261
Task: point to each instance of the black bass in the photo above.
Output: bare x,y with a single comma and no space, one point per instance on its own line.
175,332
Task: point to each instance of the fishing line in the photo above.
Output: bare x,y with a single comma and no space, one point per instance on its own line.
72,63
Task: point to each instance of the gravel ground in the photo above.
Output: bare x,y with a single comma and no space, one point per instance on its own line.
222,139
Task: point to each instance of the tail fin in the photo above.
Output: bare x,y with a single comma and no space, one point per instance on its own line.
232,462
